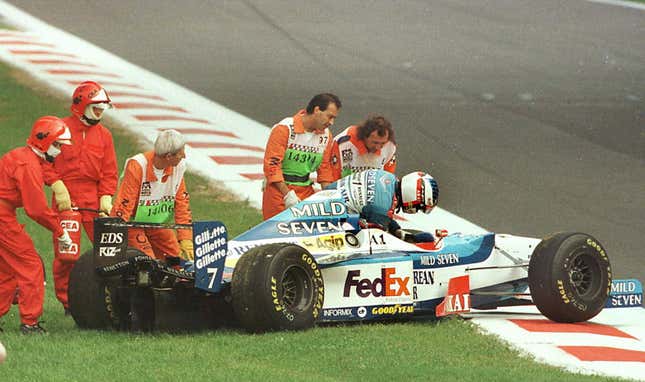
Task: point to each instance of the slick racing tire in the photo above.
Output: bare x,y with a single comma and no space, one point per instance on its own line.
277,287
91,300
569,277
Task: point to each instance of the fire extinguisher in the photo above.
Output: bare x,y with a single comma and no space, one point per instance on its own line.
71,221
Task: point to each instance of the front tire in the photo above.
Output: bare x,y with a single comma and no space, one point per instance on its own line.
277,287
569,277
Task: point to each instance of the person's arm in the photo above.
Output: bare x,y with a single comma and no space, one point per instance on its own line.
109,172
128,196
325,170
273,156
34,201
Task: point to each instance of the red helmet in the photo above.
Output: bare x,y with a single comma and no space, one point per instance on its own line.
88,93
47,130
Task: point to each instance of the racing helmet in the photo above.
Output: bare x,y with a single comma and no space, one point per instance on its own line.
87,96
419,192
45,131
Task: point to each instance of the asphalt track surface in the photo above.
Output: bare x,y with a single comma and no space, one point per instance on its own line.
530,114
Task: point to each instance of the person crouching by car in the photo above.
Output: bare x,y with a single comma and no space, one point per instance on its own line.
153,191
21,185
377,194
368,145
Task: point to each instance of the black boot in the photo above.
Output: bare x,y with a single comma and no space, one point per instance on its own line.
32,329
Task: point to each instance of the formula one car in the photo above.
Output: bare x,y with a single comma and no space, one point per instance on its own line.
314,263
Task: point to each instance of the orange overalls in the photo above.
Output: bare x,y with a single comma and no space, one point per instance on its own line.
291,155
156,243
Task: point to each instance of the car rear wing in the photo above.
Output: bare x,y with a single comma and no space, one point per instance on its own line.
209,242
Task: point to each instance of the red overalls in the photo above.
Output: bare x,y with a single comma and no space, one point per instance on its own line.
21,185
89,170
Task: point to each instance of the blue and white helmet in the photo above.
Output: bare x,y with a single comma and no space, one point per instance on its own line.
419,192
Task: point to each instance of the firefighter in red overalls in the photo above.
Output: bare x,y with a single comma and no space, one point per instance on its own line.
86,174
21,185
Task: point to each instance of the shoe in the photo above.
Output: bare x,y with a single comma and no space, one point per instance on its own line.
32,329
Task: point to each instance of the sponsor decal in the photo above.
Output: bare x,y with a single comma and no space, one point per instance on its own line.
371,186
392,310
425,277
71,250
277,302
319,209
338,313
108,251
457,303
70,225
347,155
625,293
440,259
310,228
328,243
210,243
111,238
388,285
361,312
242,249
457,298
146,189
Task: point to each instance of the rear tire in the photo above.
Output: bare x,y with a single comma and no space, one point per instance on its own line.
569,277
90,297
277,287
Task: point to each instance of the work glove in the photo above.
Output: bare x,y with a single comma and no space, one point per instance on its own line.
61,196
64,241
105,205
290,199
186,249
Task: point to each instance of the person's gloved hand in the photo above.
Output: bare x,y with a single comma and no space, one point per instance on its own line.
364,224
105,205
61,196
64,241
186,249
291,199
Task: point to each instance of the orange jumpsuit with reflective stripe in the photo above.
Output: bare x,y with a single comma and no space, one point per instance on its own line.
156,243
21,185
274,157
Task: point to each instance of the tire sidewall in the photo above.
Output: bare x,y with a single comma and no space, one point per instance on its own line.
549,277
293,259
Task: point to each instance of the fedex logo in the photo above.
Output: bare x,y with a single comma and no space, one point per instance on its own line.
386,285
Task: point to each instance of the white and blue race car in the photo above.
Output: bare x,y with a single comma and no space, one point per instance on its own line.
313,263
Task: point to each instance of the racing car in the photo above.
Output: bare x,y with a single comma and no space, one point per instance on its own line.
315,263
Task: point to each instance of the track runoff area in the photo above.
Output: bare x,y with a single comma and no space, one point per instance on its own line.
228,147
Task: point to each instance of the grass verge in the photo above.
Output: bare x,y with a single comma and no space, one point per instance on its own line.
447,350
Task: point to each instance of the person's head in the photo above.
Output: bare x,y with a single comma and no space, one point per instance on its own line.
47,135
323,110
419,192
169,148
89,101
375,132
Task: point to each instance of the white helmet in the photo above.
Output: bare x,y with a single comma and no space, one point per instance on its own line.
419,192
